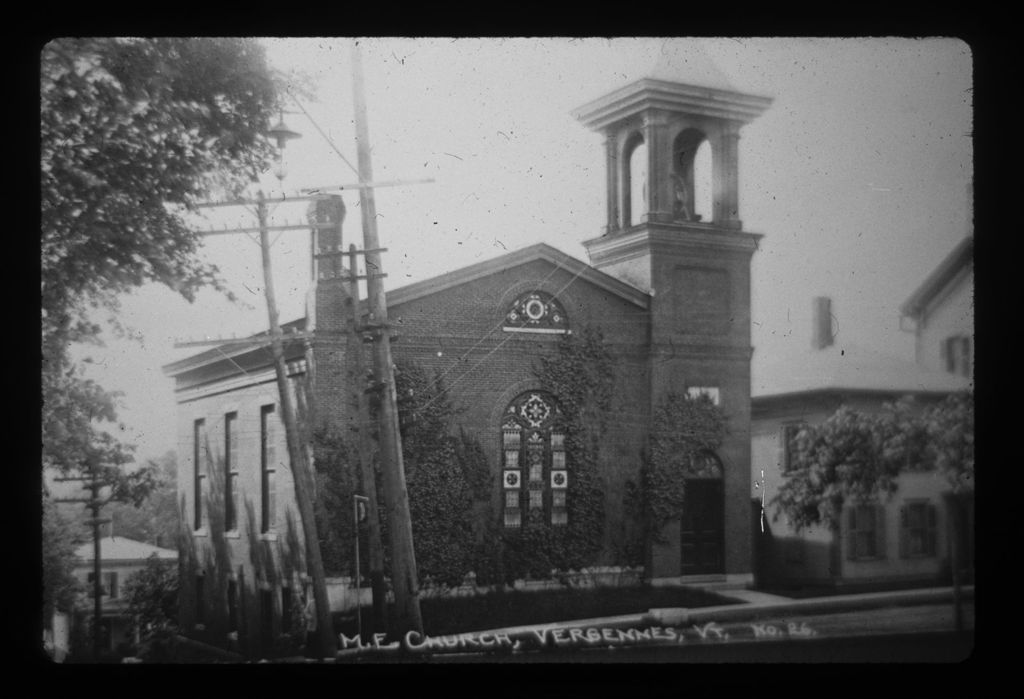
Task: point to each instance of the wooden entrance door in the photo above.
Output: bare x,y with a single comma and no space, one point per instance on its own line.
702,537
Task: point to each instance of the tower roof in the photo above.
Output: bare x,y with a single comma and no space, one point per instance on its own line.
688,62
657,93
684,78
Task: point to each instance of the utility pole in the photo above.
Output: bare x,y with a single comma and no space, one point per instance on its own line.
396,498
94,503
366,469
297,449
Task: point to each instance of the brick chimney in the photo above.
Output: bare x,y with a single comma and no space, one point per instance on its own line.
821,331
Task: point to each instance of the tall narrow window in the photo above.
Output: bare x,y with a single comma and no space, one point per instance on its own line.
200,453
788,436
534,478
200,600
268,468
957,353
110,584
865,532
232,606
267,620
917,530
286,608
231,472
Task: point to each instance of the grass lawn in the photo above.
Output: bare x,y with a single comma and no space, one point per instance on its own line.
450,615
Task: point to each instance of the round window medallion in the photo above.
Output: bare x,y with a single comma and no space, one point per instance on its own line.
535,309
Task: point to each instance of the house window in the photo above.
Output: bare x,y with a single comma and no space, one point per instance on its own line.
956,351
286,607
267,620
231,472
200,600
108,584
200,462
268,468
232,606
865,532
533,445
788,439
917,530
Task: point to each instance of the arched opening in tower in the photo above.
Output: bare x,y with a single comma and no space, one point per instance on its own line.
691,177
636,182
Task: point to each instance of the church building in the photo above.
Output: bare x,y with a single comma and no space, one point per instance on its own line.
667,284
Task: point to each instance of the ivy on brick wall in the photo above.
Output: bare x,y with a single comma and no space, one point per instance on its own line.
445,474
683,428
580,373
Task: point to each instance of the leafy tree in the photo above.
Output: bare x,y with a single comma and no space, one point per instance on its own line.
134,132
949,427
858,456
155,519
60,539
152,595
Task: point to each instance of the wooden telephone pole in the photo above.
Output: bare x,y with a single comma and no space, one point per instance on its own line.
366,470
404,578
298,450
403,561
94,503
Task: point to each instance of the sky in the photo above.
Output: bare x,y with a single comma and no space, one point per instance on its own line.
858,176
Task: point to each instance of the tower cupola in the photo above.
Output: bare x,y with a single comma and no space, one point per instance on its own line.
661,137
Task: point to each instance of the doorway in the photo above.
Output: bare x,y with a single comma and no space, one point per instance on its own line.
702,534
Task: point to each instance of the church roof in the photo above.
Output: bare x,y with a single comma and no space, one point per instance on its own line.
416,290
848,368
118,548
539,251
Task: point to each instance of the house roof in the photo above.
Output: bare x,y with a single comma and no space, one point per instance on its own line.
118,548
848,368
960,257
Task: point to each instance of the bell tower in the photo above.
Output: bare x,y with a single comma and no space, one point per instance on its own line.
673,229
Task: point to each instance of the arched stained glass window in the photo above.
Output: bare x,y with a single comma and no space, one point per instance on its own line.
704,464
534,477
538,312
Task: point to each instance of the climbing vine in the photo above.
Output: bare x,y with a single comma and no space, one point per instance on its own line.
581,375
683,429
445,474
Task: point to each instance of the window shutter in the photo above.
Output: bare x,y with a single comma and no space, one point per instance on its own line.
904,533
851,534
932,529
880,551
944,353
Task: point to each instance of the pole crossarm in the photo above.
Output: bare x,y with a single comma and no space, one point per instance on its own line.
367,185
256,229
269,200
334,251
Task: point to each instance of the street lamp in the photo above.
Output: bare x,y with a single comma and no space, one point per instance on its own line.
282,134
